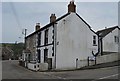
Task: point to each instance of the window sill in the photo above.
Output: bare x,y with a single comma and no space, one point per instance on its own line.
94,45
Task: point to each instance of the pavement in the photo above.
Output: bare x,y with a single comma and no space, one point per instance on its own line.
12,71
103,65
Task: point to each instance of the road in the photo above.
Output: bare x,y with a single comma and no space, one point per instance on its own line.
11,70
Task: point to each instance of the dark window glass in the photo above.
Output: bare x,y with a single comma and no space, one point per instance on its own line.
52,54
39,55
46,37
39,39
115,38
94,40
45,55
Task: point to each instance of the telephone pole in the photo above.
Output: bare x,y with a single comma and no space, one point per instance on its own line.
25,32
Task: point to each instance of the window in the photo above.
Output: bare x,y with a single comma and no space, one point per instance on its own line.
52,54
46,37
53,51
94,40
116,39
39,55
39,39
45,55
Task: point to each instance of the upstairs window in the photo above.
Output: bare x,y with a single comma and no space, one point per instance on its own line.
39,39
94,41
116,39
46,37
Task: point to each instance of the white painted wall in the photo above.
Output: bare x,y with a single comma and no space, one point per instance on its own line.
119,42
109,45
49,47
50,34
107,58
74,40
42,37
33,66
99,59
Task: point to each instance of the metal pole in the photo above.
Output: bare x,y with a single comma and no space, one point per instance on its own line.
25,32
88,61
25,39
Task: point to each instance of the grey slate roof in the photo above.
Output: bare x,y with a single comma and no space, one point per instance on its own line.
104,32
48,25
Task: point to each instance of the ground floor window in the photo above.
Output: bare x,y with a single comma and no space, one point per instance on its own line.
45,55
39,55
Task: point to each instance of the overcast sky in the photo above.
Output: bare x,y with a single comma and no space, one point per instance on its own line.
17,16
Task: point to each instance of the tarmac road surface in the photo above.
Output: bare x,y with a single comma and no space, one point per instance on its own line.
11,70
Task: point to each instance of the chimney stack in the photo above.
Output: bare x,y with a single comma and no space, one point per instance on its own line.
37,27
71,6
52,18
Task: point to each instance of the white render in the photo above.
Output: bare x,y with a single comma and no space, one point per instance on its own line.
74,41
69,37
33,66
109,44
49,47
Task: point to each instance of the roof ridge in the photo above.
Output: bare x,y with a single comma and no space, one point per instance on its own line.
106,31
49,24
108,28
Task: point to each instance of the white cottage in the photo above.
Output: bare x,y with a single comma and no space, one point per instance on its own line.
109,40
63,41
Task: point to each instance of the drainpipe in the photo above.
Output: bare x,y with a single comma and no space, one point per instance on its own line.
101,46
88,60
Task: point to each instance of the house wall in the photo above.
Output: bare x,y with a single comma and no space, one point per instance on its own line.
74,41
119,45
109,44
49,46
107,58
31,45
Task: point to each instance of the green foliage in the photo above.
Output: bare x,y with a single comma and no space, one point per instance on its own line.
16,48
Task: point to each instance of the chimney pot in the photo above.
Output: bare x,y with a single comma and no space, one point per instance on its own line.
37,27
71,6
52,18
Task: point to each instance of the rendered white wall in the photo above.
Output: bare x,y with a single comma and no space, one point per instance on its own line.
50,34
42,37
33,67
49,47
99,59
109,44
107,58
74,40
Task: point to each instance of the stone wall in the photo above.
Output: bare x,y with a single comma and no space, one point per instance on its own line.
31,45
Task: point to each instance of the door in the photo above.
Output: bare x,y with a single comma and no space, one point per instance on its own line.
49,61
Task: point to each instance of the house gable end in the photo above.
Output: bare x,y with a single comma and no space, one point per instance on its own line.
86,23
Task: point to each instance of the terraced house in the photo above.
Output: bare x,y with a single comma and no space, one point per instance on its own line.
109,40
61,43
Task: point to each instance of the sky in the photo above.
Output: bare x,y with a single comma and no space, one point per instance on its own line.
17,16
